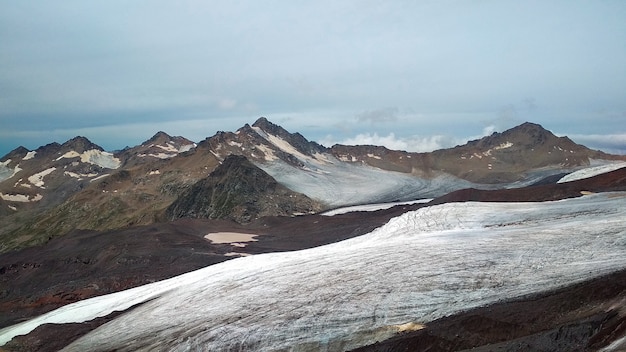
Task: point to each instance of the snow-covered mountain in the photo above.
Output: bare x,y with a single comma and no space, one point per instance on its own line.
53,171
58,188
420,266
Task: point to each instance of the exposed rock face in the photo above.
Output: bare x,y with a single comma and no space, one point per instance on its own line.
60,187
239,191
160,146
498,158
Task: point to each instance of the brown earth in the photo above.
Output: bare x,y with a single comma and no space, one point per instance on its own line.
582,317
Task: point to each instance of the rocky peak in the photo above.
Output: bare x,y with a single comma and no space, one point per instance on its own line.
295,139
48,149
80,144
240,191
159,137
18,152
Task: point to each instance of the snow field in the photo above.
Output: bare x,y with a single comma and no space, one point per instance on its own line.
418,267
591,171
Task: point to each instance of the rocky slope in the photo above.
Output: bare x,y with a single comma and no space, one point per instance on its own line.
496,159
237,190
58,188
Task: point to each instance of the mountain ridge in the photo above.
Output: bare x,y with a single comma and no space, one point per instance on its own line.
59,187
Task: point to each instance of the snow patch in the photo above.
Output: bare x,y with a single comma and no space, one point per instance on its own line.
6,172
99,177
94,156
371,207
30,155
503,146
158,155
591,171
79,176
285,146
268,152
37,179
373,156
21,198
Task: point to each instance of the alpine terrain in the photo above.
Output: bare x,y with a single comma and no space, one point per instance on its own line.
260,239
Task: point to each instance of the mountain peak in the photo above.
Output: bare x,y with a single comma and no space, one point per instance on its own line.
159,137
81,144
15,153
269,127
240,191
262,121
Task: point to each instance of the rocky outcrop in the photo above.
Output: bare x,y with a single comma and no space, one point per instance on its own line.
240,191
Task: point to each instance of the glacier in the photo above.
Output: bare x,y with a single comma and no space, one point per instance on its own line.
420,266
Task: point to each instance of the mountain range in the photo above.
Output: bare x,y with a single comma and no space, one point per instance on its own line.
77,221
60,187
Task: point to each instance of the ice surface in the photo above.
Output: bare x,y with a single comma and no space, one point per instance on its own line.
6,172
591,171
338,183
418,267
371,207
94,156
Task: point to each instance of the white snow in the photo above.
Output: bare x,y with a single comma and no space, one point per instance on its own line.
340,184
421,266
285,146
371,207
268,152
99,177
154,172
591,171
79,176
6,172
489,151
158,155
504,146
37,179
22,198
94,156
171,150
30,155
187,147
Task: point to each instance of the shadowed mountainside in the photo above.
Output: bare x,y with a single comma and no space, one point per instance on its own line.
238,190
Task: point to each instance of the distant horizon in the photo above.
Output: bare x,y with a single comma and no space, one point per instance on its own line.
622,152
410,75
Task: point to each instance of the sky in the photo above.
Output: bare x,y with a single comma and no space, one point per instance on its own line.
412,75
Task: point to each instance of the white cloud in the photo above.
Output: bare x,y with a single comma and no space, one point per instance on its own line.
410,144
610,143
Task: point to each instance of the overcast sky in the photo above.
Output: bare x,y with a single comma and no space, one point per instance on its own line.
412,75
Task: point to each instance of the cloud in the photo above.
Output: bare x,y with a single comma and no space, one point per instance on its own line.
410,144
610,143
389,114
